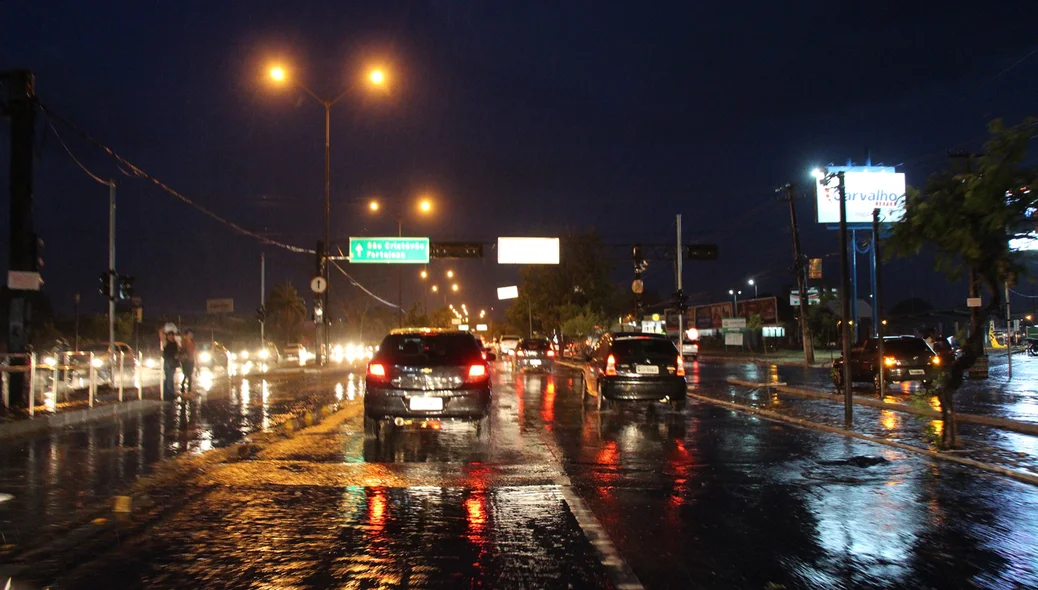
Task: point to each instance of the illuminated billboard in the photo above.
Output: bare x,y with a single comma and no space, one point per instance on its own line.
527,250
866,190
511,292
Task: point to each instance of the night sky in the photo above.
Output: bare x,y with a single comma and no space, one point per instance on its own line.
519,118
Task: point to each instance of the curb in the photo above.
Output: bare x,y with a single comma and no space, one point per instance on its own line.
76,417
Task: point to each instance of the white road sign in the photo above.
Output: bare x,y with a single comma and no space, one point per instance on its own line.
318,285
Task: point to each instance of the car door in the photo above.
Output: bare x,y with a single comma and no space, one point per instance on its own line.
591,369
867,360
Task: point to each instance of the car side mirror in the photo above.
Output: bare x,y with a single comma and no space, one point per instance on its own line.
491,357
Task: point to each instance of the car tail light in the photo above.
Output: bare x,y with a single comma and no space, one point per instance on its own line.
377,371
484,355
681,366
611,365
936,360
477,372
551,353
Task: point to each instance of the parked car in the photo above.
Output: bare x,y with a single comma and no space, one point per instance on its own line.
534,354
905,358
427,374
634,367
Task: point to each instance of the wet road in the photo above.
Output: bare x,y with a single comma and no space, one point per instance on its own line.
706,498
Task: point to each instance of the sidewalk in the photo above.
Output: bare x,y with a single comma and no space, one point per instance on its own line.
823,358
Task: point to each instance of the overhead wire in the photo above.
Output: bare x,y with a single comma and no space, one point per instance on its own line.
73,156
357,284
135,171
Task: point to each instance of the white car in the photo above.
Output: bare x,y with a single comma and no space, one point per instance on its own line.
507,344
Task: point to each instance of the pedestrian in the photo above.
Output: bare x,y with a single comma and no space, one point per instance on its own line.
187,360
170,350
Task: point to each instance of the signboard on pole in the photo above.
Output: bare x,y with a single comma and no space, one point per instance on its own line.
733,323
866,188
710,317
219,306
527,250
389,250
18,280
814,269
511,292
733,338
765,307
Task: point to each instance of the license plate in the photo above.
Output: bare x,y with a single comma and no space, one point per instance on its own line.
647,370
535,362
688,348
426,403
917,371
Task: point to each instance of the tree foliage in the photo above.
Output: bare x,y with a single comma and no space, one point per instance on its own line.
967,220
552,294
286,312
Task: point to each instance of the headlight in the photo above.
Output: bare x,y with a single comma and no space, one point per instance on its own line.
97,362
264,354
50,361
244,354
205,357
232,356
150,363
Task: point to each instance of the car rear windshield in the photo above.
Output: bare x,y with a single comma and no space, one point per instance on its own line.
535,345
404,349
905,346
644,347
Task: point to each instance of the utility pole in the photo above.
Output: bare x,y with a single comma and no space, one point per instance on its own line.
75,300
878,304
974,311
680,294
1009,333
112,276
263,295
21,110
845,305
798,268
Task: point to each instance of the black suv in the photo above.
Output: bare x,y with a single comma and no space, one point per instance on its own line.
534,353
427,374
905,358
633,366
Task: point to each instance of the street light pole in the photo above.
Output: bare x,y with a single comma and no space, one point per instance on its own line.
400,280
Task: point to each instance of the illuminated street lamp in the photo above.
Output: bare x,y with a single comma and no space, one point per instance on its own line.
454,287
450,274
735,300
424,274
754,285
279,75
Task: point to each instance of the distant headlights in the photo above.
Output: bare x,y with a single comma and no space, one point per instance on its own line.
264,354
97,362
205,357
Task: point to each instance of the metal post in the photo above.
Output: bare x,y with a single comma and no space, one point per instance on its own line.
877,302
681,310
32,384
798,268
845,304
91,388
54,381
855,336
122,356
263,295
1009,334
400,281
75,300
111,270
327,225
529,311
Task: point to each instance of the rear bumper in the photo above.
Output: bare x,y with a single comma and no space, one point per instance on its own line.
633,389
525,363
896,374
462,403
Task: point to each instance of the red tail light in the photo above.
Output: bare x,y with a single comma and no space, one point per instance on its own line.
611,365
477,372
551,352
484,355
377,371
681,366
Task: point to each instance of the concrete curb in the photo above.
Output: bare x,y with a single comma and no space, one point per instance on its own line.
76,417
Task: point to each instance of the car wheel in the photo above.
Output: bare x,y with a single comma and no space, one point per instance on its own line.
372,426
679,403
601,401
836,374
483,426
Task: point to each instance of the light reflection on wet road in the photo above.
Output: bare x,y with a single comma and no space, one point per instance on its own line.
708,498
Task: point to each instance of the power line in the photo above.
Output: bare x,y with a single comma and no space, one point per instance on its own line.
73,156
135,171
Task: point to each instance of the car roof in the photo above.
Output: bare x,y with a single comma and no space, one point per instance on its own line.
421,331
640,335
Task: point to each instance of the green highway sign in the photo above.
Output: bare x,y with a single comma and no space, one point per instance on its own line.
389,250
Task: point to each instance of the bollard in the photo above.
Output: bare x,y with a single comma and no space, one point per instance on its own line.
32,385
92,373
122,356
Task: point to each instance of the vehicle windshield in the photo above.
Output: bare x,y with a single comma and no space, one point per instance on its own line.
648,347
411,349
539,344
906,347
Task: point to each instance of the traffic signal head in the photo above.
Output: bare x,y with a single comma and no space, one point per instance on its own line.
456,250
126,287
104,287
261,314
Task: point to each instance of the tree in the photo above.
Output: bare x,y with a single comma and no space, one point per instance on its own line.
968,220
286,311
549,293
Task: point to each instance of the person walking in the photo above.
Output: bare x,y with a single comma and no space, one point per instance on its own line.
170,350
187,361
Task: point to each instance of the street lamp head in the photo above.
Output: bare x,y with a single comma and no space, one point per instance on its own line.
751,282
450,274
377,77
819,174
731,291
435,288
277,74
424,274
454,287
425,206
374,205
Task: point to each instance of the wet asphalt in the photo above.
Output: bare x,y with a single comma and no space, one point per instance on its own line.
705,498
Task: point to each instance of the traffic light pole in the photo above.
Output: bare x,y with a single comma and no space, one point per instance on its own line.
112,276
263,294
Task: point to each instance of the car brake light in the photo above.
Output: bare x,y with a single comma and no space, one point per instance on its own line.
611,365
936,360
551,353
376,370
484,355
681,366
477,372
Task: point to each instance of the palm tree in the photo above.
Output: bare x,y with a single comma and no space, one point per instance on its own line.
286,309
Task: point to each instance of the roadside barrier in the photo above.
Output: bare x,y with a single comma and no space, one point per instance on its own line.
68,372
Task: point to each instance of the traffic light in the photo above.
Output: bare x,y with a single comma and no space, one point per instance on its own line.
681,299
456,250
104,286
38,253
319,258
261,314
701,251
126,287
